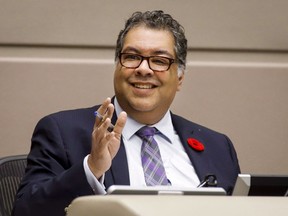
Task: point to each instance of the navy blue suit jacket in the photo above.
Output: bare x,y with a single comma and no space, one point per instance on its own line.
55,174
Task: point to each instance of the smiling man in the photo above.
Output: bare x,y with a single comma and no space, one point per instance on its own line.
74,153
143,92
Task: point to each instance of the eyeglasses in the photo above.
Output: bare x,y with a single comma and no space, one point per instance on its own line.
156,63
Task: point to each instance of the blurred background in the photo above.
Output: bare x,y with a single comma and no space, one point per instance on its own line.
57,55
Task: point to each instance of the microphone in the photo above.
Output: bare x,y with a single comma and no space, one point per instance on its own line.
210,180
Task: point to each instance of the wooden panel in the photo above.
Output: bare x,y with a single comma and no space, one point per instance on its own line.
221,24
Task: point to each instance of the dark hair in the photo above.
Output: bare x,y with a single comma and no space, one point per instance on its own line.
157,20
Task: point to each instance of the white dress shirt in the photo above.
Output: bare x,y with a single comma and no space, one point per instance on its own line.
177,164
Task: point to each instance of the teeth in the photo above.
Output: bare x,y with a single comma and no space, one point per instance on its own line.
143,86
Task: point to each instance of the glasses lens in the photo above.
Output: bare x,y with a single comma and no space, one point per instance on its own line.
159,63
130,60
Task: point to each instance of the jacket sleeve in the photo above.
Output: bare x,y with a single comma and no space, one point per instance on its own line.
51,180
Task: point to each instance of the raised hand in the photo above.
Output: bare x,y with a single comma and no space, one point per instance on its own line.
105,143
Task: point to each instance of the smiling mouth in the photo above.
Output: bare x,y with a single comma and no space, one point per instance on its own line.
144,86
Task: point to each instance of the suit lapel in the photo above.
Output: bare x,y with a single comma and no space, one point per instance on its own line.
198,159
119,168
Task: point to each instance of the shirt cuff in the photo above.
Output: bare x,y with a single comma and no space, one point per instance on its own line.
97,185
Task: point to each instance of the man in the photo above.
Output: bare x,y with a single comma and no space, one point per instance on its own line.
75,154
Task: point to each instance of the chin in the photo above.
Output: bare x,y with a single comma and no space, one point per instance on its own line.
138,108
142,108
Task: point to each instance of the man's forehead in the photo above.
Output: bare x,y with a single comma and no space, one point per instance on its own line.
143,39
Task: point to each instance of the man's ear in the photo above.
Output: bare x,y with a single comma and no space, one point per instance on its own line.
180,81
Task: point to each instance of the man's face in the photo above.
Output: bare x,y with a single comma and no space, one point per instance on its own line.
144,94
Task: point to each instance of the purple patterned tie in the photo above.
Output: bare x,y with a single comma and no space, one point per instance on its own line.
151,159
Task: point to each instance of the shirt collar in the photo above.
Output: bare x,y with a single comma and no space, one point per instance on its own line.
165,125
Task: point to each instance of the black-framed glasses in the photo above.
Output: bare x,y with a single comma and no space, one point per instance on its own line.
156,63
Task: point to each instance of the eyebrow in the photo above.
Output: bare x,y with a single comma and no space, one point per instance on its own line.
156,52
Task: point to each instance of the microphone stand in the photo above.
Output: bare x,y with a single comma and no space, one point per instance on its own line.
210,180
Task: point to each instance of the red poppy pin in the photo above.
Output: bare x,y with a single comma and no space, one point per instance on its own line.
195,144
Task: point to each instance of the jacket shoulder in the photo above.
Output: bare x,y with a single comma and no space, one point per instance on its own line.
184,124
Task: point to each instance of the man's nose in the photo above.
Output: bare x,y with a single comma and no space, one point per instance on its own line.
144,68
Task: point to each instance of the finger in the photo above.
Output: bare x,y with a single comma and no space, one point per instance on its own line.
105,125
101,111
121,121
110,111
107,113
103,108
101,136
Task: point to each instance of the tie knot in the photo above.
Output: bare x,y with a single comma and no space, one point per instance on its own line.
146,132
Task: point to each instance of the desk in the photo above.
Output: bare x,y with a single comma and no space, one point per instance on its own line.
168,205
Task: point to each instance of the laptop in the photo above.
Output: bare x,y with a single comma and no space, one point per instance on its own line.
261,185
